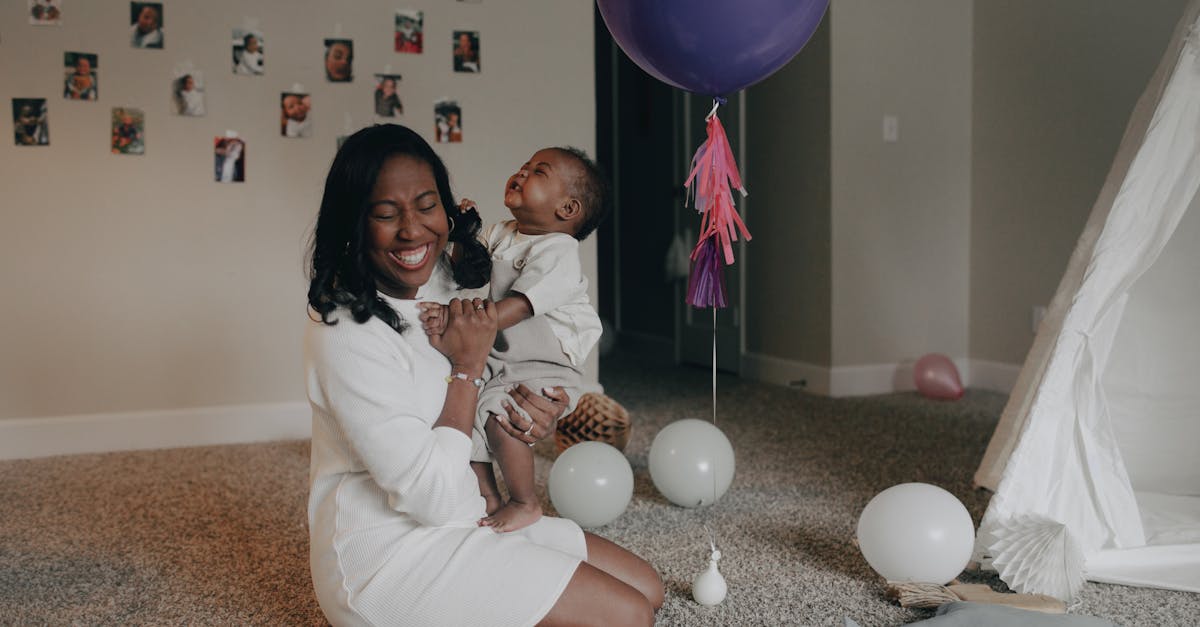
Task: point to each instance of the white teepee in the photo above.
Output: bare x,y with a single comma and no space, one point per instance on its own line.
1096,460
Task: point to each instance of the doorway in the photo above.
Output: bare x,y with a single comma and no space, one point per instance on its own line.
646,133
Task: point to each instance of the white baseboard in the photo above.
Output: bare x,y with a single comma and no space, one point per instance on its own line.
786,372
22,438
869,379
994,375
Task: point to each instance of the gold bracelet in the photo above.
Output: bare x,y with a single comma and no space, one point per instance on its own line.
462,376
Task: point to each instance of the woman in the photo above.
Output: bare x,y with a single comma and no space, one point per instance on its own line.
393,504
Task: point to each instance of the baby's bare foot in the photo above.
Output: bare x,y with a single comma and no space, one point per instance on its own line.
513,516
492,503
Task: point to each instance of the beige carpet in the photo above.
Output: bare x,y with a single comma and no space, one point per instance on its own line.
217,535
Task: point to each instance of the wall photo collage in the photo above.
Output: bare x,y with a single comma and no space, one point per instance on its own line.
248,53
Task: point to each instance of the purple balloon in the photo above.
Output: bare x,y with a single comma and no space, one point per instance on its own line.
711,47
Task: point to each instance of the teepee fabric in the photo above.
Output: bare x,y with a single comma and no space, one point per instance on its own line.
1099,442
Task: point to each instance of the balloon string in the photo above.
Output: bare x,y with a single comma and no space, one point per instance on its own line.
716,103
714,367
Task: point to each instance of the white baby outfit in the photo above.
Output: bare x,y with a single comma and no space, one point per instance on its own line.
549,349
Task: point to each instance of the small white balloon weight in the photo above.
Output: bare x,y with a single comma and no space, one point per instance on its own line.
708,588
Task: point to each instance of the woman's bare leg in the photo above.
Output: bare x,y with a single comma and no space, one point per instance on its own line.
613,587
596,598
624,565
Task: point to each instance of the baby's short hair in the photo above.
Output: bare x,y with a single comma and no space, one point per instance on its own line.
591,188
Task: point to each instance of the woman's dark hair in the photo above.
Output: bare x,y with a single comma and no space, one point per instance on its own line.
340,274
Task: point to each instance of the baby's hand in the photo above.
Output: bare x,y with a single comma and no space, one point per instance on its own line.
433,317
465,205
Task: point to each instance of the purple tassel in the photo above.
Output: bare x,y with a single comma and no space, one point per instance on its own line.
706,283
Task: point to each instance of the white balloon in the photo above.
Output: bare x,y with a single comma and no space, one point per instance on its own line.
591,483
691,462
709,587
916,532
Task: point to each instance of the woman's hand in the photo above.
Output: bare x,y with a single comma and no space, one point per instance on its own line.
469,334
544,411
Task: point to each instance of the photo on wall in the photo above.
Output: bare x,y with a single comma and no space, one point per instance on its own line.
82,81
410,31
466,51
146,22
339,60
31,126
447,121
45,12
387,96
128,131
229,157
187,94
248,49
294,110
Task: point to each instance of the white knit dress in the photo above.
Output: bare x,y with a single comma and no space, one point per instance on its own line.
393,503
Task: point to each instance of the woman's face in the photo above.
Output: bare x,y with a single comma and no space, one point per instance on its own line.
407,229
189,84
252,44
337,62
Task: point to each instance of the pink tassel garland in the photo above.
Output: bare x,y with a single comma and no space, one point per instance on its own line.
706,280
713,176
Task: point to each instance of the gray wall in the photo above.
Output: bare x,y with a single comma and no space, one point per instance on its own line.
136,282
1054,84
787,174
900,210
1010,113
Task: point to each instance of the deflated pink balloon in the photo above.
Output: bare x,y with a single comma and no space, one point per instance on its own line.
937,377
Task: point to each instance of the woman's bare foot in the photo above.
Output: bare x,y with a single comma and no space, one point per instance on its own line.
512,516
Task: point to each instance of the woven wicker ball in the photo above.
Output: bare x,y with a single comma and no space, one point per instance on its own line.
597,418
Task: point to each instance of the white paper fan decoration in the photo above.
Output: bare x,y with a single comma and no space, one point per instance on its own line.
1037,555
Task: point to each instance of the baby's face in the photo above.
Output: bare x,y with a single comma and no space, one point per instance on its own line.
337,62
147,20
26,117
293,108
81,82
538,189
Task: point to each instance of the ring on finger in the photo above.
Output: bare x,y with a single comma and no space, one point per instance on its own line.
478,306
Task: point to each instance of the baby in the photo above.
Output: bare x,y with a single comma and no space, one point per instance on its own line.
146,31
295,109
547,326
